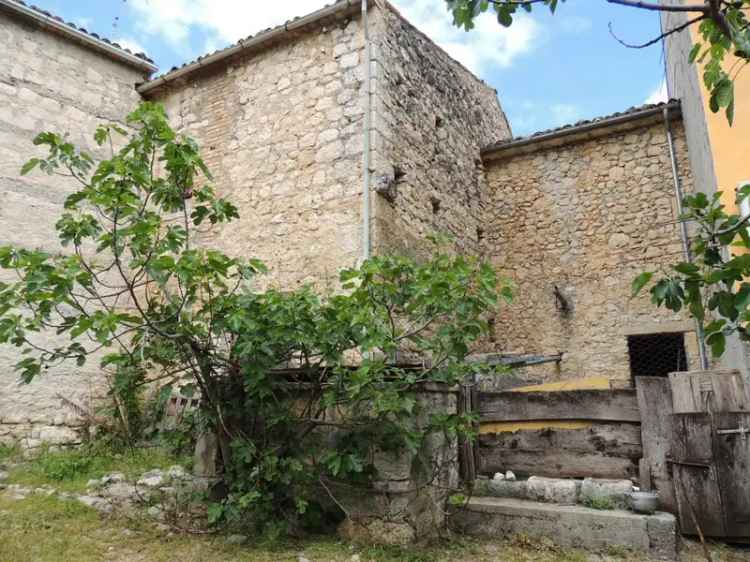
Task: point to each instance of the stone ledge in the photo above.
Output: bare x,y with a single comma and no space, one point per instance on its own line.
570,526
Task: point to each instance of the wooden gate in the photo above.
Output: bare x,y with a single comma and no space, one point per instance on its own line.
711,458
710,453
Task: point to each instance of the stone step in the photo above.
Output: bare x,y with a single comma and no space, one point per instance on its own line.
569,525
591,492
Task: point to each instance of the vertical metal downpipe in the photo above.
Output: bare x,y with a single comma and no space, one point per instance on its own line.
367,130
684,231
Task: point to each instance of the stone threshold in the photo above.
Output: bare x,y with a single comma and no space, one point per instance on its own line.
569,525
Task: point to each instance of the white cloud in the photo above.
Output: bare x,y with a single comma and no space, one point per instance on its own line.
659,94
226,21
83,22
575,24
564,114
528,117
131,44
487,45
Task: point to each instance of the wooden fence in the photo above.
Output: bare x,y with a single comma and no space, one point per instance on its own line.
572,433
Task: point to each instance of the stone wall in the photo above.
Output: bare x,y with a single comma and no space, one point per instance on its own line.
407,501
433,116
586,218
281,131
47,83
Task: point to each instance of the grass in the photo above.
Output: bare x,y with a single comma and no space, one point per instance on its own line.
44,528
70,470
599,502
9,451
47,529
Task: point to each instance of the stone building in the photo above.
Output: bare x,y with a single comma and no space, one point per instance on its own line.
573,216
295,122
52,77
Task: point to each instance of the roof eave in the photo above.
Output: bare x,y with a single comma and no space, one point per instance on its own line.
61,28
583,132
258,41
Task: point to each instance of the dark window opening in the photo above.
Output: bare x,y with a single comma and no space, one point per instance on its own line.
435,202
657,355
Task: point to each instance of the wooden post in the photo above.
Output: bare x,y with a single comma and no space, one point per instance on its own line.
466,458
655,404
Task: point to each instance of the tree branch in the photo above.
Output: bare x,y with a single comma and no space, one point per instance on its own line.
660,37
703,8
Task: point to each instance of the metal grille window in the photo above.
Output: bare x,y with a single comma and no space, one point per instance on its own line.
657,355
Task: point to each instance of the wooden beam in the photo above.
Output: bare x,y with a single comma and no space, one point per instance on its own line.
599,451
598,405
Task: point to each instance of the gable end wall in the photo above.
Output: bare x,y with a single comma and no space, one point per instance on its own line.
586,218
48,83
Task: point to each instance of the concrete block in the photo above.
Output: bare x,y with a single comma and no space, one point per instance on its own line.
552,490
614,491
571,526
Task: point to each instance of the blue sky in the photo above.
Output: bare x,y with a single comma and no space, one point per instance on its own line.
548,70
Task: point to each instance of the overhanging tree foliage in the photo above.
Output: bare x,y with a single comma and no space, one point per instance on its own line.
712,285
723,26
300,389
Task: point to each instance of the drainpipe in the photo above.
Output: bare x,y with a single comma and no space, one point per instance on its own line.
367,131
684,232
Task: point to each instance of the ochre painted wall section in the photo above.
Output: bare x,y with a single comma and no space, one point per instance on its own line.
730,145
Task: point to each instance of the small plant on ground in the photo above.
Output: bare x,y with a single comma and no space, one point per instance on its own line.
599,502
71,469
9,451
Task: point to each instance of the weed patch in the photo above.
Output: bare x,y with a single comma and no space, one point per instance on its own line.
70,470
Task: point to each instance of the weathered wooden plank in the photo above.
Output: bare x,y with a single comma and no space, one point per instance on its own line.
692,439
697,489
695,476
602,405
708,391
655,403
557,464
732,452
601,450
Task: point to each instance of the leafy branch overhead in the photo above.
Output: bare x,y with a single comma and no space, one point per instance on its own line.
713,286
132,289
723,27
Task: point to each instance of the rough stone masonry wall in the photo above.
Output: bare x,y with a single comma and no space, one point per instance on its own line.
281,131
586,218
433,116
47,83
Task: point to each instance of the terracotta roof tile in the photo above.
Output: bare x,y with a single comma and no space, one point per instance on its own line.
572,127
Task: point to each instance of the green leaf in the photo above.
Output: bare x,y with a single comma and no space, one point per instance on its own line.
686,268
30,165
694,52
640,282
717,341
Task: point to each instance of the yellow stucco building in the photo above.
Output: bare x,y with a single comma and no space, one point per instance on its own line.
719,154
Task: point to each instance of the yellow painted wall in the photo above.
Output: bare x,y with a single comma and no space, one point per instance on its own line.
730,146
